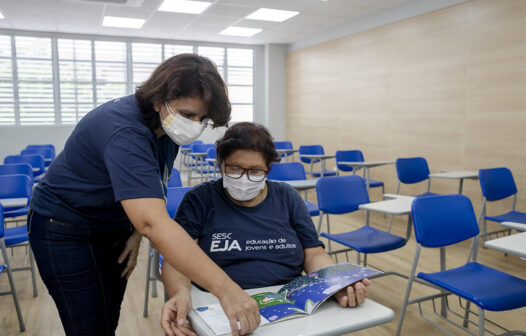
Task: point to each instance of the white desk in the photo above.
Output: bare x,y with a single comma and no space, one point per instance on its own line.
285,153
514,244
321,157
8,203
328,319
302,185
515,226
460,175
366,166
396,206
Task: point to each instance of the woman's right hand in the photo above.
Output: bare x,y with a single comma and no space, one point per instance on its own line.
173,315
241,309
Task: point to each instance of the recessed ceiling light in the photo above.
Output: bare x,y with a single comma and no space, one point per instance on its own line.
122,22
1,15
268,14
184,6
240,31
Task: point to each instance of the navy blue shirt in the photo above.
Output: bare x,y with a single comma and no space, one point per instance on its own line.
256,246
110,156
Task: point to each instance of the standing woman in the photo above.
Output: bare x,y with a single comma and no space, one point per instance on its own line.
107,189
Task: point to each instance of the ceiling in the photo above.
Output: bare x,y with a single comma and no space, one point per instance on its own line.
85,17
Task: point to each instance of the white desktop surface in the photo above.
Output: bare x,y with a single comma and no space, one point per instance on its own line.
13,202
318,156
369,164
396,206
514,244
456,174
301,185
328,319
515,226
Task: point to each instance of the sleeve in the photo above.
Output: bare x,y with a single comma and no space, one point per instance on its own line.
301,221
133,169
191,213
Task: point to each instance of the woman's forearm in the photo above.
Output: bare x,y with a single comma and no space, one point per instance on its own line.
173,280
316,258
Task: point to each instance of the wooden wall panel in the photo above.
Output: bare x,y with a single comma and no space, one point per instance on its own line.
448,85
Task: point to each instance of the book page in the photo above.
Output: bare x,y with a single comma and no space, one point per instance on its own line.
273,306
214,316
309,291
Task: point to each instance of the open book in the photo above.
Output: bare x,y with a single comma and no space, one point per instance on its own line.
301,296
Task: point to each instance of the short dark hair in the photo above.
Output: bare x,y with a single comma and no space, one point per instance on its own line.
247,136
184,75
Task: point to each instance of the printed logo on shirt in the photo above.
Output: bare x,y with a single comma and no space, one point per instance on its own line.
223,241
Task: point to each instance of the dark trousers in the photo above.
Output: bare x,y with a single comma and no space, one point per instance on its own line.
80,270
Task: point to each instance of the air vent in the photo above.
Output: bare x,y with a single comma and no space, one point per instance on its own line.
130,3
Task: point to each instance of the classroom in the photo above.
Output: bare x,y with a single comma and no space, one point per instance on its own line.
262,167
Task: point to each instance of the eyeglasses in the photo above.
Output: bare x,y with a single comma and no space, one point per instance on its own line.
254,175
205,121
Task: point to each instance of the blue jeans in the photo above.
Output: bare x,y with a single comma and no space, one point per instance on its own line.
80,270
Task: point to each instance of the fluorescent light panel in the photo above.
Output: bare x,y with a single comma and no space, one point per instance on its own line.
122,22
269,14
184,6
240,31
1,15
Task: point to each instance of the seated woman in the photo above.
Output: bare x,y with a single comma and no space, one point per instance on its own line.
238,219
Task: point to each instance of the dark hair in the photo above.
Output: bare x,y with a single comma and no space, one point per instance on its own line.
184,75
247,136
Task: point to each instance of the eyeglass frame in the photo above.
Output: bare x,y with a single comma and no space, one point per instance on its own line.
245,171
204,121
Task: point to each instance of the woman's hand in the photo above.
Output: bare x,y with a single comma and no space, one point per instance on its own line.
354,294
173,315
131,251
241,309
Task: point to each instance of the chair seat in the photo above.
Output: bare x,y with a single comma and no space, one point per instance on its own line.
375,184
368,240
15,235
427,194
2,268
512,216
16,212
313,208
488,288
325,173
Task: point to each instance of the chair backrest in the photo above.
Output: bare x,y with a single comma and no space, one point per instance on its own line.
211,153
35,160
190,145
412,170
341,194
348,155
1,221
287,171
443,220
17,169
311,149
43,146
173,199
175,179
45,152
497,183
283,145
15,186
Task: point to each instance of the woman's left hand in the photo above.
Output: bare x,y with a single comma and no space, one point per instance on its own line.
131,252
354,294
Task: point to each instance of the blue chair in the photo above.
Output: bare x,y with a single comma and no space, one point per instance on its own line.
316,150
175,179
36,161
185,161
200,165
212,154
344,194
284,145
46,152
16,186
498,184
290,171
354,156
17,169
7,267
413,170
43,146
173,199
441,221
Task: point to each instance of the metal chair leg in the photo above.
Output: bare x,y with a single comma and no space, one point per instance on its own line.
33,277
481,322
21,324
147,288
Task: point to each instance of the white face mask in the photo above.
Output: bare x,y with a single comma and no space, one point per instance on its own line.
242,189
181,130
